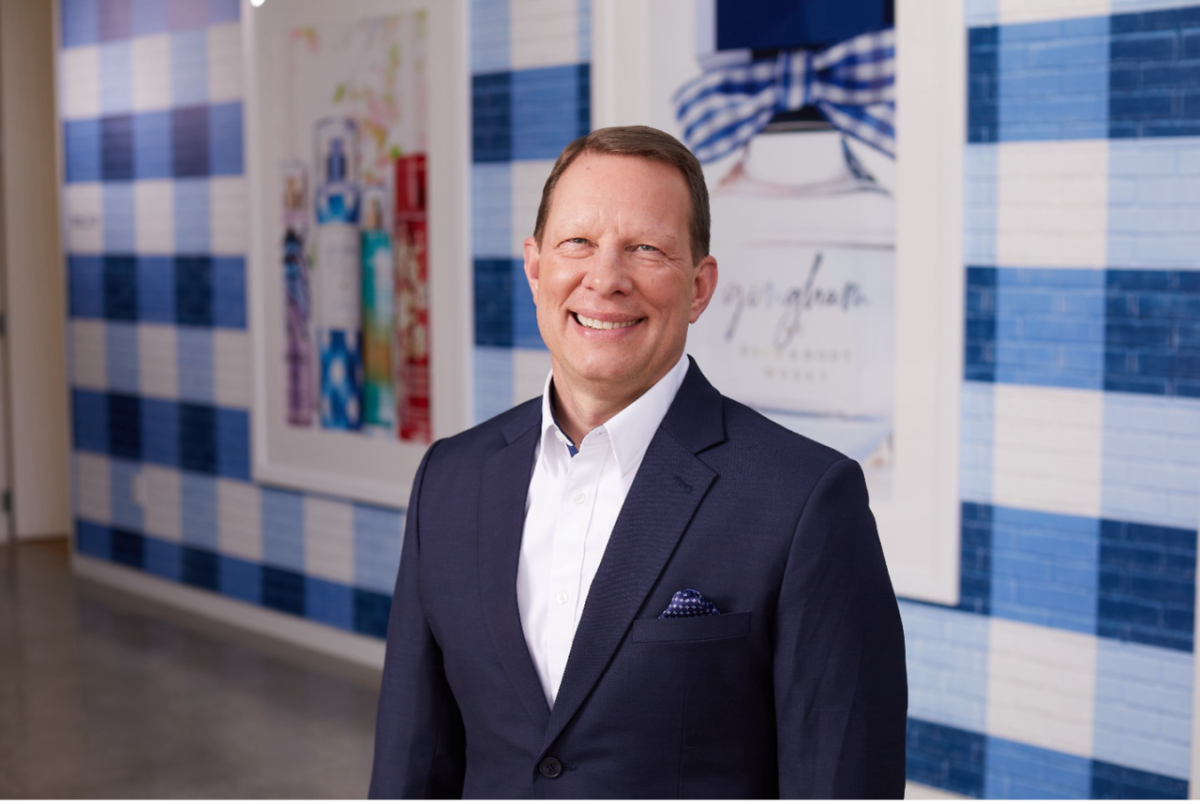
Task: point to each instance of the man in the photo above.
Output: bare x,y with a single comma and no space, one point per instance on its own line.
633,586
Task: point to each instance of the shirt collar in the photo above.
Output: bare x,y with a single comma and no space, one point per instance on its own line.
631,430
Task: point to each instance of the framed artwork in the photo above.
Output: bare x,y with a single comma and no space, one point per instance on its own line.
833,156
357,155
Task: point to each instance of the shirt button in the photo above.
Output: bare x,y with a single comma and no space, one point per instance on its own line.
562,598
578,498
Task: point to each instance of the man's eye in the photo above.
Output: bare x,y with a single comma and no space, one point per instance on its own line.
645,247
576,241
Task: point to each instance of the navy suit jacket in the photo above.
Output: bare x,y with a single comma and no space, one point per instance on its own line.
797,689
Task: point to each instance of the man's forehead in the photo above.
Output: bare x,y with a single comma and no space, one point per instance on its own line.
643,179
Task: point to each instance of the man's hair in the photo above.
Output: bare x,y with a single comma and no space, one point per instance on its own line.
646,143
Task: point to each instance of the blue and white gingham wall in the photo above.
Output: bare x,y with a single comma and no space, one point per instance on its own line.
150,95
1067,668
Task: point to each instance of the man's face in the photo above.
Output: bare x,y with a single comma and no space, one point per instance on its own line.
614,280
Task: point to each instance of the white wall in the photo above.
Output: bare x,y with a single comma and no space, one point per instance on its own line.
33,271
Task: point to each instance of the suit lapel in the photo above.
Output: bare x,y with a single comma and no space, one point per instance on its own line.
668,489
503,491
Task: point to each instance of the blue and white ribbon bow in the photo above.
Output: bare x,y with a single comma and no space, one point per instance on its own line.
852,83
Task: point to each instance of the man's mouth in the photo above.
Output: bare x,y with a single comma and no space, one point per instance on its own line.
595,323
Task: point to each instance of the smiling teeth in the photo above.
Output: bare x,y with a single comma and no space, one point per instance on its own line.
592,323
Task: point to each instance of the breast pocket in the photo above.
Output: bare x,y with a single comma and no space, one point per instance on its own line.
689,629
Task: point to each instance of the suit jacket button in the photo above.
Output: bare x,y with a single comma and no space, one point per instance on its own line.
551,768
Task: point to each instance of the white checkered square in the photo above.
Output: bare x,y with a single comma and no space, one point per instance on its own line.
543,33
225,63
1052,209
1013,12
231,368
1041,686
159,361
239,523
163,503
84,216
151,57
228,213
1047,449
89,354
93,488
329,540
154,216
79,82
527,181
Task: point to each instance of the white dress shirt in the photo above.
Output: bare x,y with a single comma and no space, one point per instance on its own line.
570,511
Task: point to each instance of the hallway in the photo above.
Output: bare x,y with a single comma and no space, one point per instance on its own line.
105,696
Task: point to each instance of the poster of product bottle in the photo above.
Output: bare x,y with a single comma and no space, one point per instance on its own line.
352,237
789,106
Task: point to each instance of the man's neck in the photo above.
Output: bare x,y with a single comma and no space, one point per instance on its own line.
579,411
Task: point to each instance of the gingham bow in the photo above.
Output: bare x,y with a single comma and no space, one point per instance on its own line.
852,83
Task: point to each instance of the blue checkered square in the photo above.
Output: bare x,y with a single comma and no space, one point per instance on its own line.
233,443
225,139
197,438
229,292
283,529
201,568
284,590
194,291
127,548
152,145
160,431
198,506
120,225
121,342
193,212
114,21
86,286
82,149
80,22
156,289
1147,584
241,580
551,106
329,602
163,558
125,426
148,17
90,420
197,379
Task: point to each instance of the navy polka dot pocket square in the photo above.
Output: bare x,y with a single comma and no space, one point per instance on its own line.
688,603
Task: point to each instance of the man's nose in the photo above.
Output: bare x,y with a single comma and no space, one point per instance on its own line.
608,272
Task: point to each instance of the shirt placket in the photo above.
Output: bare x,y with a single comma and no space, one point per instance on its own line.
570,537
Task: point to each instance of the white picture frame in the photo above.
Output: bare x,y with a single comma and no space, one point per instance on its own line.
636,62
348,464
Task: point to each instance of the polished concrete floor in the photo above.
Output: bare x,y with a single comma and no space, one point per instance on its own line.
106,696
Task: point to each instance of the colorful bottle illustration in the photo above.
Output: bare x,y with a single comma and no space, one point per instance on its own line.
378,290
338,299
412,300
301,385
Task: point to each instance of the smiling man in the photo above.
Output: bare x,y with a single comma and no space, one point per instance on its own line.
633,586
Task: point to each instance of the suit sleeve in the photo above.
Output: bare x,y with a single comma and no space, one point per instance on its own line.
419,738
841,691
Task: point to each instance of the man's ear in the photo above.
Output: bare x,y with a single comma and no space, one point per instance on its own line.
532,263
703,286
